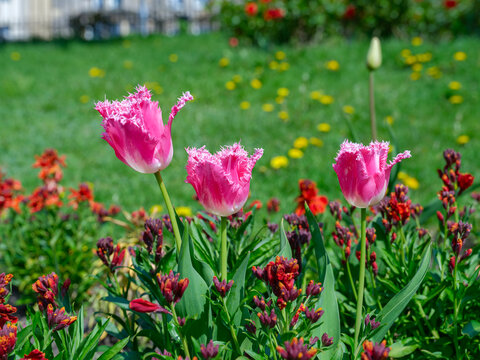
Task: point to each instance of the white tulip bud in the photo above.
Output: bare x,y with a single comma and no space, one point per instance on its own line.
374,56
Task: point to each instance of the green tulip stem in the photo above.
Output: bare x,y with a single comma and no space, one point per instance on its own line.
373,124
171,211
223,248
361,280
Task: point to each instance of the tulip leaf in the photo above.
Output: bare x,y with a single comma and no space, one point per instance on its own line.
285,249
114,350
328,299
397,304
237,292
192,303
402,348
472,328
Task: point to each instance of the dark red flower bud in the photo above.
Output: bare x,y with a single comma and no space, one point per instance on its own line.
314,315
57,319
209,351
35,355
172,287
269,320
313,289
222,287
251,328
296,349
326,341
144,306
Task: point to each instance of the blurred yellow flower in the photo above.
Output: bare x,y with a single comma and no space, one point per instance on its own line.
280,55
406,53
463,139
417,67
333,65
96,72
434,72
315,95
424,57
411,182
410,60
279,99
348,109
267,107
326,99
156,209
84,99
273,65
237,78
230,85
283,115
173,58
316,141
417,41
456,99
295,153
244,105
389,119
223,62
300,142
324,127
284,66
460,56
15,56
402,175
283,92
415,76
183,211
256,84
128,64
279,162
455,85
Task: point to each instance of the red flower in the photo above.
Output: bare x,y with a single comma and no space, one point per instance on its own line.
57,319
6,312
273,14
83,194
450,4
8,338
257,204
350,12
47,289
309,194
296,349
35,355
375,351
251,9
464,181
144,306
172,287
4,281
233,42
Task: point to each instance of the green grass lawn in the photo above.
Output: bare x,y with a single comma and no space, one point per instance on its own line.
47,100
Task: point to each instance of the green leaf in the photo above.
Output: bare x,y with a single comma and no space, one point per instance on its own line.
114,350
472,328
91,341
328,299
192,303
397,304
236,294
402,348
285,249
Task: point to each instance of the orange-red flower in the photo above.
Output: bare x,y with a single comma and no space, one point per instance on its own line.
309,194
35,355
251,9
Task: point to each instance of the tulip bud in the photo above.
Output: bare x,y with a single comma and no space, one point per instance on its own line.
374,56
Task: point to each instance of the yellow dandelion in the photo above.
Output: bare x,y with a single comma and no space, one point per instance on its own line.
295,153
460,56
128,64
230,85
434,72
348,109
402,175
15,56
279,99
273,65
454,85
300,142
283,115
237,78
84,99
324,127
283,92
463,139
256,84
456,99
173,58
158,89
284,66
280,55
415,76
326,99
424,57
315,95
316,142
278,162
417,67
390,120
411,182
96,72
267,107
156,209
410,60
332,65
406,53
183,211
244,105
223,62
417,41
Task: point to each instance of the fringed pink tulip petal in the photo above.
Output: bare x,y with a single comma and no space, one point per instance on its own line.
222,180
135,130
363,172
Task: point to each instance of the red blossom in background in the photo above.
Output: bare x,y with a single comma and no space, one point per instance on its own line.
273,14
83,194
450,4
251,9
35,355
4,281
6,312
9,197
350,12
309,194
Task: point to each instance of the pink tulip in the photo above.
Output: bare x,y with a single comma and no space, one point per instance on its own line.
135,130
222,180
363,171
